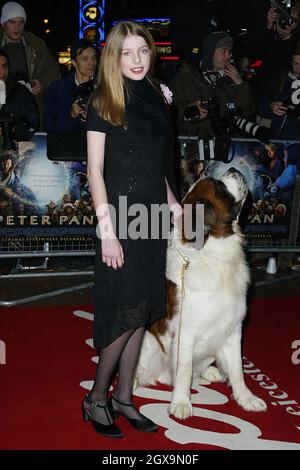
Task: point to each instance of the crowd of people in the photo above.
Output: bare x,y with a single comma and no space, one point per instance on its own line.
207,81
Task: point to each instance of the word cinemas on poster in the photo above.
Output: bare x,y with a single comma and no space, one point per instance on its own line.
43,198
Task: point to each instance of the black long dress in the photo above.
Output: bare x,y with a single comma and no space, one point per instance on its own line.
137,160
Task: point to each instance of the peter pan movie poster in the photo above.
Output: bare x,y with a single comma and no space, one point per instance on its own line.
40,198
270,171
43,198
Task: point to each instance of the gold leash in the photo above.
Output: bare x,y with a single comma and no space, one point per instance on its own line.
184,267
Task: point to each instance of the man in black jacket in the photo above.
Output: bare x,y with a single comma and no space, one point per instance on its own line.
28,54
282,102
274,43
16,100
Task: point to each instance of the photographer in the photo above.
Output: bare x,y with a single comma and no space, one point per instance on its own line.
17,106
66,99
202,93
29,56
282,104
273,38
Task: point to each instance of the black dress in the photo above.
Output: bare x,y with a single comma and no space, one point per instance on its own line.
137,160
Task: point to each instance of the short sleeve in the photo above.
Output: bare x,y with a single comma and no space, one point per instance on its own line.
95,123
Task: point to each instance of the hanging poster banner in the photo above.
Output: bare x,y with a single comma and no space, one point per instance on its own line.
43,198
270,172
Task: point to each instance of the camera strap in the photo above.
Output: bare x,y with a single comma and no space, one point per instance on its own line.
213,77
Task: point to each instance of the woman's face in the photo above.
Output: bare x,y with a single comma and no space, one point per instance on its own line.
135,57
3,68
85,64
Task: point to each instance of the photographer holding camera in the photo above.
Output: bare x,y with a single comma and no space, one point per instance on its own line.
66,99
273,38
18,112
282,104
202,93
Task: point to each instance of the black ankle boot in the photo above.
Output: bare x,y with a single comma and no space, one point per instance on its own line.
109,430
144,424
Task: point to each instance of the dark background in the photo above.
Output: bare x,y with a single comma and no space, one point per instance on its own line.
63,15
63,18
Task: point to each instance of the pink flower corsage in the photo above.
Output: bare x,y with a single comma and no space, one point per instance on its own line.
167,93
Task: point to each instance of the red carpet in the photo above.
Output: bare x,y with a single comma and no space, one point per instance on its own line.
47,358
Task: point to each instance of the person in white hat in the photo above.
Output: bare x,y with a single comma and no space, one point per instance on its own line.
29,57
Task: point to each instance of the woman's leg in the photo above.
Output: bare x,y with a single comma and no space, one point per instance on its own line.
108,360
126,372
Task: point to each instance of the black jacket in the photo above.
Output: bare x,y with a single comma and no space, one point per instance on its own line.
281,89
20,102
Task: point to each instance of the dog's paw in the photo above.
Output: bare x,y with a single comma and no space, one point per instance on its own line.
212,374
251,402
181,410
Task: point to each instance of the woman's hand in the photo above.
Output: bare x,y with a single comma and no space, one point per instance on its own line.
112,253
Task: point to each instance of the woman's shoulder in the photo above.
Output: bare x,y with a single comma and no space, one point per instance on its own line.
94,122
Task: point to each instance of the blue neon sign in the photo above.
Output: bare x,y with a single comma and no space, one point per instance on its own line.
91,19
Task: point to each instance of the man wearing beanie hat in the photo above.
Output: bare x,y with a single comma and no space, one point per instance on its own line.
29,57
215,79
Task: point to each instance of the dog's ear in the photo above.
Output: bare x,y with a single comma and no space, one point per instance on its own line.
202,193
190,217
230,209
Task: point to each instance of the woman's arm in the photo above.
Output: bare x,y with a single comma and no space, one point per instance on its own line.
112,253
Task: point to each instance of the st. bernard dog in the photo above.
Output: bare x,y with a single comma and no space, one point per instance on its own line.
206,295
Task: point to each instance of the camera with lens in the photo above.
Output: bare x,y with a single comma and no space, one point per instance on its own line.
219,124
235,122
230,123
211,104
284,10
83,92
13,129
224,128
191,113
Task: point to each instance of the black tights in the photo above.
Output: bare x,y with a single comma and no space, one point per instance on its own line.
124,352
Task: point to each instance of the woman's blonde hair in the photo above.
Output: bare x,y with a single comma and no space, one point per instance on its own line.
108,98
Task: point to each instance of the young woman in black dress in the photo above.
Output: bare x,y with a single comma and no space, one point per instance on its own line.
128,134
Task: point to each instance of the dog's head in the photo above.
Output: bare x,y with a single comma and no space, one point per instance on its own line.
222,200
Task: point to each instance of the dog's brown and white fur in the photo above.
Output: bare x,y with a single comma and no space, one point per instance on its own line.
213,307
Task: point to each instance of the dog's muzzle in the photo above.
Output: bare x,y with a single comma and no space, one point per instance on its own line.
236,184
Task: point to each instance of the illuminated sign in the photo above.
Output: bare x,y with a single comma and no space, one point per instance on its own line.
160,31
91,20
